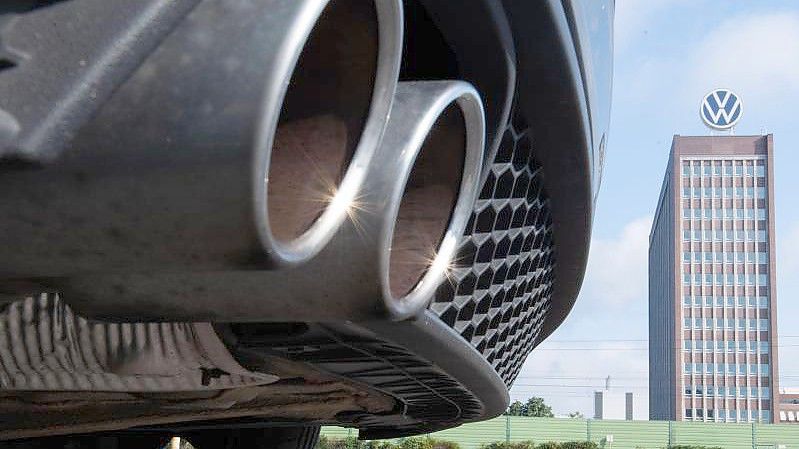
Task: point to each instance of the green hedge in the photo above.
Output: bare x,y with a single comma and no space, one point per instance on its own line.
688,446
402,443
433,443
547,445
506,445
578,445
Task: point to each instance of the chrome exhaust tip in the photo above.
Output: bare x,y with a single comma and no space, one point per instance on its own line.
437,129
427,203
321,129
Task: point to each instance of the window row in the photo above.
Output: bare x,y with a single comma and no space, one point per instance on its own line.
740,369
730,392
733,415
729,346
789,415
724,192
726,169
725,257
718,235
724,213
724,279
729,301
730,213
726,323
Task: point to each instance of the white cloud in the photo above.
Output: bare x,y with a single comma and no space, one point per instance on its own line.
617,266
757,55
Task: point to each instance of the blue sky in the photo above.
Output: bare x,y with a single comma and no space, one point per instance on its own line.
669,53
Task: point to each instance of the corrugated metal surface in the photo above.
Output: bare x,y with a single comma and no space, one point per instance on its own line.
338,432
475,434
540,430
773,435
625,434
728,436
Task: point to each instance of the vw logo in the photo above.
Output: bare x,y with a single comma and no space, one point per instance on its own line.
721,109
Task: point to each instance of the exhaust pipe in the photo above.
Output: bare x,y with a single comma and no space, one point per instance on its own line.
232,147
386,260
329,126
441,125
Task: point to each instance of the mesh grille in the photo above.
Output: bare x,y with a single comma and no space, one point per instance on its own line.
499,292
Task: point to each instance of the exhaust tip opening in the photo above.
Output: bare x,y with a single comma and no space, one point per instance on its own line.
428,203
324,114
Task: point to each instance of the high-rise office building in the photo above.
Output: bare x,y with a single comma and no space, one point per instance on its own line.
712,303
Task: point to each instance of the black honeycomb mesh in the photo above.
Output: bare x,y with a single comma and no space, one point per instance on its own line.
499,292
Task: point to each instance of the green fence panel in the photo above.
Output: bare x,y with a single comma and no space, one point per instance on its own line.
625,434
724,435
338,432
540,430
630,435
474,435
775,435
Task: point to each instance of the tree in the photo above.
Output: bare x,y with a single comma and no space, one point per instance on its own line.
576,415
515,409
536,406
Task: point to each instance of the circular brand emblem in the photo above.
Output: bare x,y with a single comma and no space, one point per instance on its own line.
721,109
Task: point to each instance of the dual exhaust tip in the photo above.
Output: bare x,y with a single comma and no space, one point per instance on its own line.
422,163
360,185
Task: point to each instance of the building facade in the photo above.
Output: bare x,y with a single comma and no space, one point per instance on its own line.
712,302
789,406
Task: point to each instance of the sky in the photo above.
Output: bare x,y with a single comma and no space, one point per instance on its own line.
668,55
